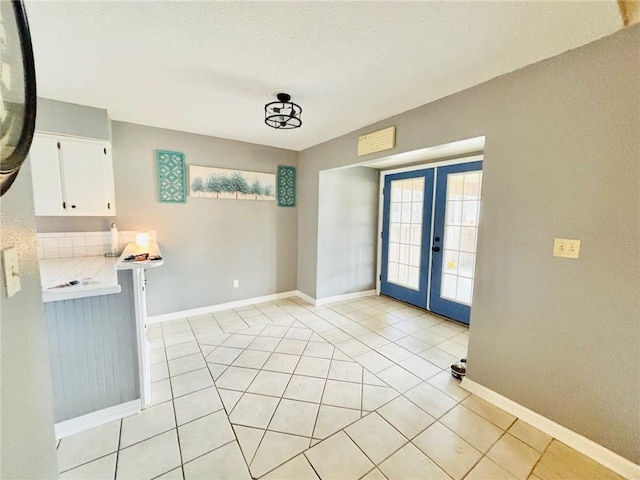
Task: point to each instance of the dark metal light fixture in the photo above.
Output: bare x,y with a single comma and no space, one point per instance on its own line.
283,114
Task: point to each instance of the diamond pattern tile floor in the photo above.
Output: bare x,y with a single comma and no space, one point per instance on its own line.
353,390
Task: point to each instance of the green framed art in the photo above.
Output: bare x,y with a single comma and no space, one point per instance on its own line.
172,177
286,186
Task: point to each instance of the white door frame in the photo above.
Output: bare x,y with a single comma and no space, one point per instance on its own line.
383,174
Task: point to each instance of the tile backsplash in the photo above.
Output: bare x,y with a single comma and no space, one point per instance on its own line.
81,244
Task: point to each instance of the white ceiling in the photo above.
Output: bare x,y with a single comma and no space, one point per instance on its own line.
209,67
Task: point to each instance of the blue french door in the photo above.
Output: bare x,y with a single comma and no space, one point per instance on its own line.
432,267
406,230
455,231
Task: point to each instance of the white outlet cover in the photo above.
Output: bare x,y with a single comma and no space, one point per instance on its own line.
11,270
566,247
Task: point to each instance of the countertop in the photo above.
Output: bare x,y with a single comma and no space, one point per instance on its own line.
133,249
98,272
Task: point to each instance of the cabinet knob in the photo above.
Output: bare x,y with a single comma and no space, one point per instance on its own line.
73,206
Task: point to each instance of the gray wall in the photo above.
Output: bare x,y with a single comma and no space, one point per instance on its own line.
72,119
207,243
93,351
348,213
26,413
558,336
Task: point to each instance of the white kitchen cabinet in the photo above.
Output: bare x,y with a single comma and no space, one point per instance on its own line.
72,176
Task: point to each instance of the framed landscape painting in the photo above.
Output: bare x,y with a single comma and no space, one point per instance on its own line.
210,182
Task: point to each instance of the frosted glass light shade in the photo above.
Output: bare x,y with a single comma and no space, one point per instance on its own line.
142,239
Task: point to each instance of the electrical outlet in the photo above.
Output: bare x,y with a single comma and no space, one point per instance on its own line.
11,270
566,247
236,283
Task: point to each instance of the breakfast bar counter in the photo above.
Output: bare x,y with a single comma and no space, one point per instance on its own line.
96,313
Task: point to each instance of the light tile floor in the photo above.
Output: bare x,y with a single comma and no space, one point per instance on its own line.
285,390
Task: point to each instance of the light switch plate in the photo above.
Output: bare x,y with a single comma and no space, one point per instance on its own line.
11,270
566,247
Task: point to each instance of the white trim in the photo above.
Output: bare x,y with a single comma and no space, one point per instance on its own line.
591,449
221,306
74,137
144,350
431,235
380,227
95,419
341,298
306,298
442,163
252,301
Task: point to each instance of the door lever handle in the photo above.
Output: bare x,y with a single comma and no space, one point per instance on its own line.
435,249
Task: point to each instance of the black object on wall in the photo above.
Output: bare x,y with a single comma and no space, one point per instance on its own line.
18,108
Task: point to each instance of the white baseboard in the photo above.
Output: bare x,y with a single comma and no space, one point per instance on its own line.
194,312
95,419
252,301
306,298
341,298
591,449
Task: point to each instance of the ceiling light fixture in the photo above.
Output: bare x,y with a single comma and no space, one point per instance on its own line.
283,114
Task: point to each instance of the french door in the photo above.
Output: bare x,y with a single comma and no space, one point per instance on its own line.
429,231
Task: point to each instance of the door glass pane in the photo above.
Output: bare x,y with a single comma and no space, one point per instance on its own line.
451,238
407,190
395,212
403,275
406,213
414,256
464,290
416,234
392,272
404,233
470,212
396,192
448,289
454,211
462,215
472,186
393,252
466,264
394,233
414,277
405,237
468,239
450,262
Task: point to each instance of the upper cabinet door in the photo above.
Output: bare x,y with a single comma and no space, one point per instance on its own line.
87,177
45,175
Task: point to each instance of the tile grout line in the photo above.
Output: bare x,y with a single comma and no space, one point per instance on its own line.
173,403
279,401
115,470
228,414
324,387
308,325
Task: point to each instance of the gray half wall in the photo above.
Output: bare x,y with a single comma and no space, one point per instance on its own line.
26,413
348,213
562,159
93,351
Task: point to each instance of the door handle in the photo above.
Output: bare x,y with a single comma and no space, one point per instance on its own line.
435,249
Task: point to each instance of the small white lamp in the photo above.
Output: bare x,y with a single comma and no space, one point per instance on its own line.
142,240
